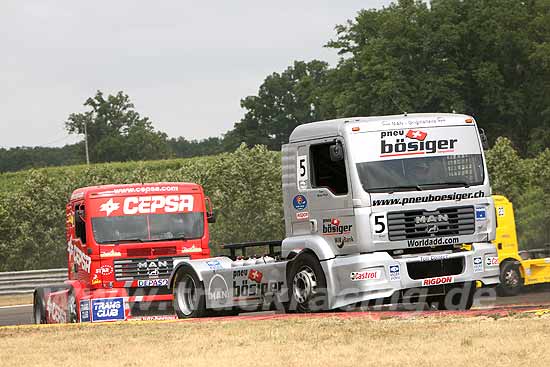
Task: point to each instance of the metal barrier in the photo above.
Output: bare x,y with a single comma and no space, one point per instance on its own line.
20,282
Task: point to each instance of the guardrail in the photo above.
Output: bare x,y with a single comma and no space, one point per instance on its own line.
20,282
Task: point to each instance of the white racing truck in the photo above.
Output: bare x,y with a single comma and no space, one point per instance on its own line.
392,209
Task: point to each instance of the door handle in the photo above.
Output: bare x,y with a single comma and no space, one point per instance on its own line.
313,223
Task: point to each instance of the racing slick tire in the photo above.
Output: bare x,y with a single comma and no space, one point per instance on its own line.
39,308
189,297
459,298
307,285
511,282
72,316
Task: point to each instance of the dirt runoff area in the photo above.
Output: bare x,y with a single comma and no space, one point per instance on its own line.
19,299
332,341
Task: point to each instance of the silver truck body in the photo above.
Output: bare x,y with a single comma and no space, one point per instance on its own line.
408,207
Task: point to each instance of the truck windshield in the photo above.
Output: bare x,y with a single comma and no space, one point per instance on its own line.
150,227
421,173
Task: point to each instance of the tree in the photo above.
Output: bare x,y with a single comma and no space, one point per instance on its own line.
116,132
284,101
485,58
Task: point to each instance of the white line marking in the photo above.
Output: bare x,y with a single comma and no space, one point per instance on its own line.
16,306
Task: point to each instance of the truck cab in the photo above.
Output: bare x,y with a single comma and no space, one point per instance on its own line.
122,241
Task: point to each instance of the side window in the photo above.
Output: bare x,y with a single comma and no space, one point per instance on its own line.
327,172
80,224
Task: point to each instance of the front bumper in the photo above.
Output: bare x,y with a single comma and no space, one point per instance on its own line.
389,275
118,304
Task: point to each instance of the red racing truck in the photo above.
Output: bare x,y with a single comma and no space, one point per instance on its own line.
122,241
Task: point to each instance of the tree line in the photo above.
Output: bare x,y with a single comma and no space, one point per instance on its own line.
486,58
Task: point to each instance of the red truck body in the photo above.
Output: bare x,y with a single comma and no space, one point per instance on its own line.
121,242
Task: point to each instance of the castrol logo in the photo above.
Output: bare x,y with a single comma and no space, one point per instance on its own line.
149,204
437,281
364,275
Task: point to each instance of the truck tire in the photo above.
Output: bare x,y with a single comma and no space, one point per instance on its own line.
459,298
39,308
511,281
307,285
189,297
72,316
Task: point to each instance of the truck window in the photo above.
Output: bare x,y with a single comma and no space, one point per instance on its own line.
79,223
326,173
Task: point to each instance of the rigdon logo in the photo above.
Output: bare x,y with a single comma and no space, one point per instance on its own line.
411,143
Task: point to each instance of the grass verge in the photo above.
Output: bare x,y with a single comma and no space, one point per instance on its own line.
448,341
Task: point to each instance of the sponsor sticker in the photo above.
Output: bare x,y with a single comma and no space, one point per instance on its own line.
149,204
434,257
394,272
478,264
96,280
214,264
108,309
111,253
365,275
302,215
153,283
299,202
85,310
491,260
217,288
333,226
437,280
481,214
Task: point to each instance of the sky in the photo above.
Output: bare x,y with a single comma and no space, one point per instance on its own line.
185,64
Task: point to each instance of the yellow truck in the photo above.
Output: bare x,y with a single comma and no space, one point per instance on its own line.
517,268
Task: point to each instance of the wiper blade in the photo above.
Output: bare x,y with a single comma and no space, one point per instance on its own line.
391,190
167,239
448,184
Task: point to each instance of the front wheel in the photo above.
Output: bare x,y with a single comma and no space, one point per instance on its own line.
307,285
511,281
460,297
189,298
72,316
39,310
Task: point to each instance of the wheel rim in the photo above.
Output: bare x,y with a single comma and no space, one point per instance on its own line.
304,285
511,278
71,307
187,295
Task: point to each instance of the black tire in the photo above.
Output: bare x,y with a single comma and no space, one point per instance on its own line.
511,282
458,298
72,316
189,297
39,308
307,285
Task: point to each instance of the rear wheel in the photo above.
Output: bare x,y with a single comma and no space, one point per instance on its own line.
189,298
308,285
511,281
39,309
460,297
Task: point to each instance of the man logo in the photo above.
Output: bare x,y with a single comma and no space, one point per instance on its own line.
432,229
431,218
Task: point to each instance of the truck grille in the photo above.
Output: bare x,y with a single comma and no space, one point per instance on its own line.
435,268
130,269
413,224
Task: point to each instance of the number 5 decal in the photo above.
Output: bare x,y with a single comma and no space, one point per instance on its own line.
301,172
379,223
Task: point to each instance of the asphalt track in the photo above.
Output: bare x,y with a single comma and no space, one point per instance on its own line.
532,300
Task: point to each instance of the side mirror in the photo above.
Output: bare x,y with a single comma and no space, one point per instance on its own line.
484,140
336,152
210,215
